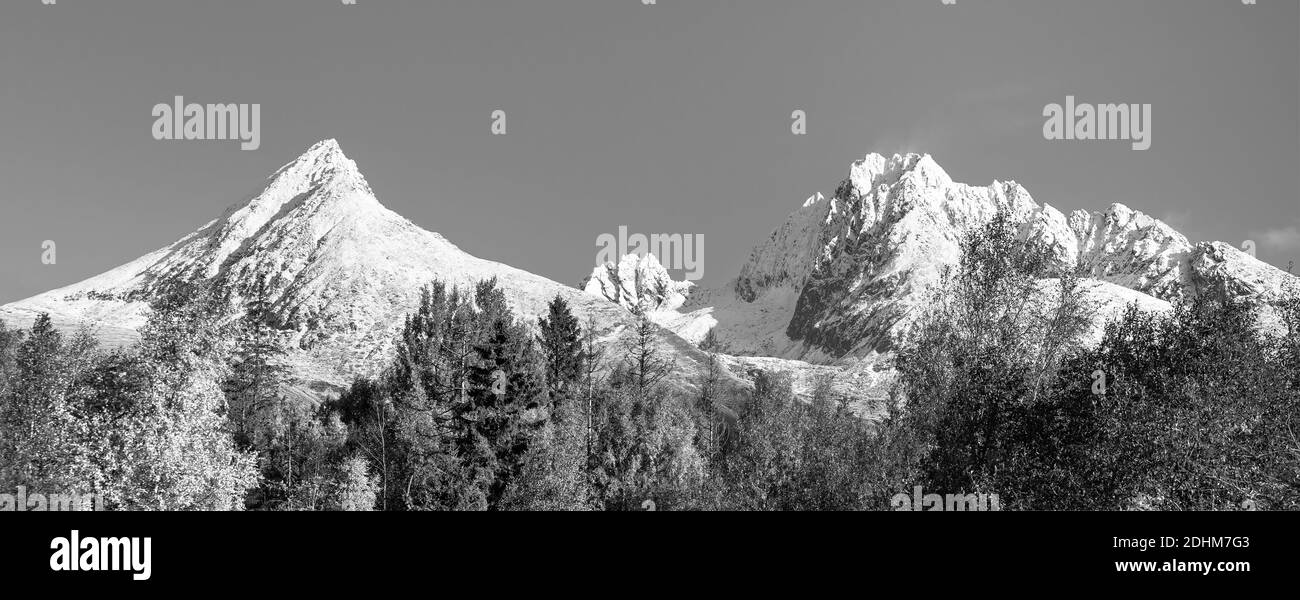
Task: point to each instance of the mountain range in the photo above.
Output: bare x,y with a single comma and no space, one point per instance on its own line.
826,296
841,280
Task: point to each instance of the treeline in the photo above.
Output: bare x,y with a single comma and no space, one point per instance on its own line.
481,412
478,411
996,393
1198,409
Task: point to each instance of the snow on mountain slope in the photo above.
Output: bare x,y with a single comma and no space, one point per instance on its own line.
637,283
1130,249
342,269
838,276
843,277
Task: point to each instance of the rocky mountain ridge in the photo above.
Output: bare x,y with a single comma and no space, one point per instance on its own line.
342,273
843,277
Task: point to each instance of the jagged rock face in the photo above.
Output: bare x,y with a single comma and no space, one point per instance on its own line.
891,226
850,269
1135,251
1216,267
637,283
342,270
1120,245
844,278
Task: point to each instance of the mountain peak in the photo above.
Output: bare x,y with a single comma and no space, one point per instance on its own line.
876,169
325,151
321,181
330,144
637,282
323,162
341,273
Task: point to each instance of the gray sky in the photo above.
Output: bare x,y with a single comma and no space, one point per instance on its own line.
666,118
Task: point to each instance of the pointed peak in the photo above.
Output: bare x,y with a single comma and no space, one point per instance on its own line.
322,167
323,160
326,150
327,143
321,178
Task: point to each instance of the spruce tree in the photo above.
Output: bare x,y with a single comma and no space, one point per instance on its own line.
561,341
506,388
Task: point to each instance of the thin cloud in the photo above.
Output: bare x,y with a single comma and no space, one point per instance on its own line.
1283,239
983,112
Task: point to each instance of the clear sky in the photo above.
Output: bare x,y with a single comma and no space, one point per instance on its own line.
672,117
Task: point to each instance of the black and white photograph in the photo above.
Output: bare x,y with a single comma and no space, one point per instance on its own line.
861,257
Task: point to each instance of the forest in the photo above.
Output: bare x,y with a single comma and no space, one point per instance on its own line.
996,393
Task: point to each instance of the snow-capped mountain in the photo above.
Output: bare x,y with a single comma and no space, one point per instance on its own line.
836,284
342,269
637,283
842,278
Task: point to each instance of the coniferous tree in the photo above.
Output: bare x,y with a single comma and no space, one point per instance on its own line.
561,341
405,423
506,393
554,475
